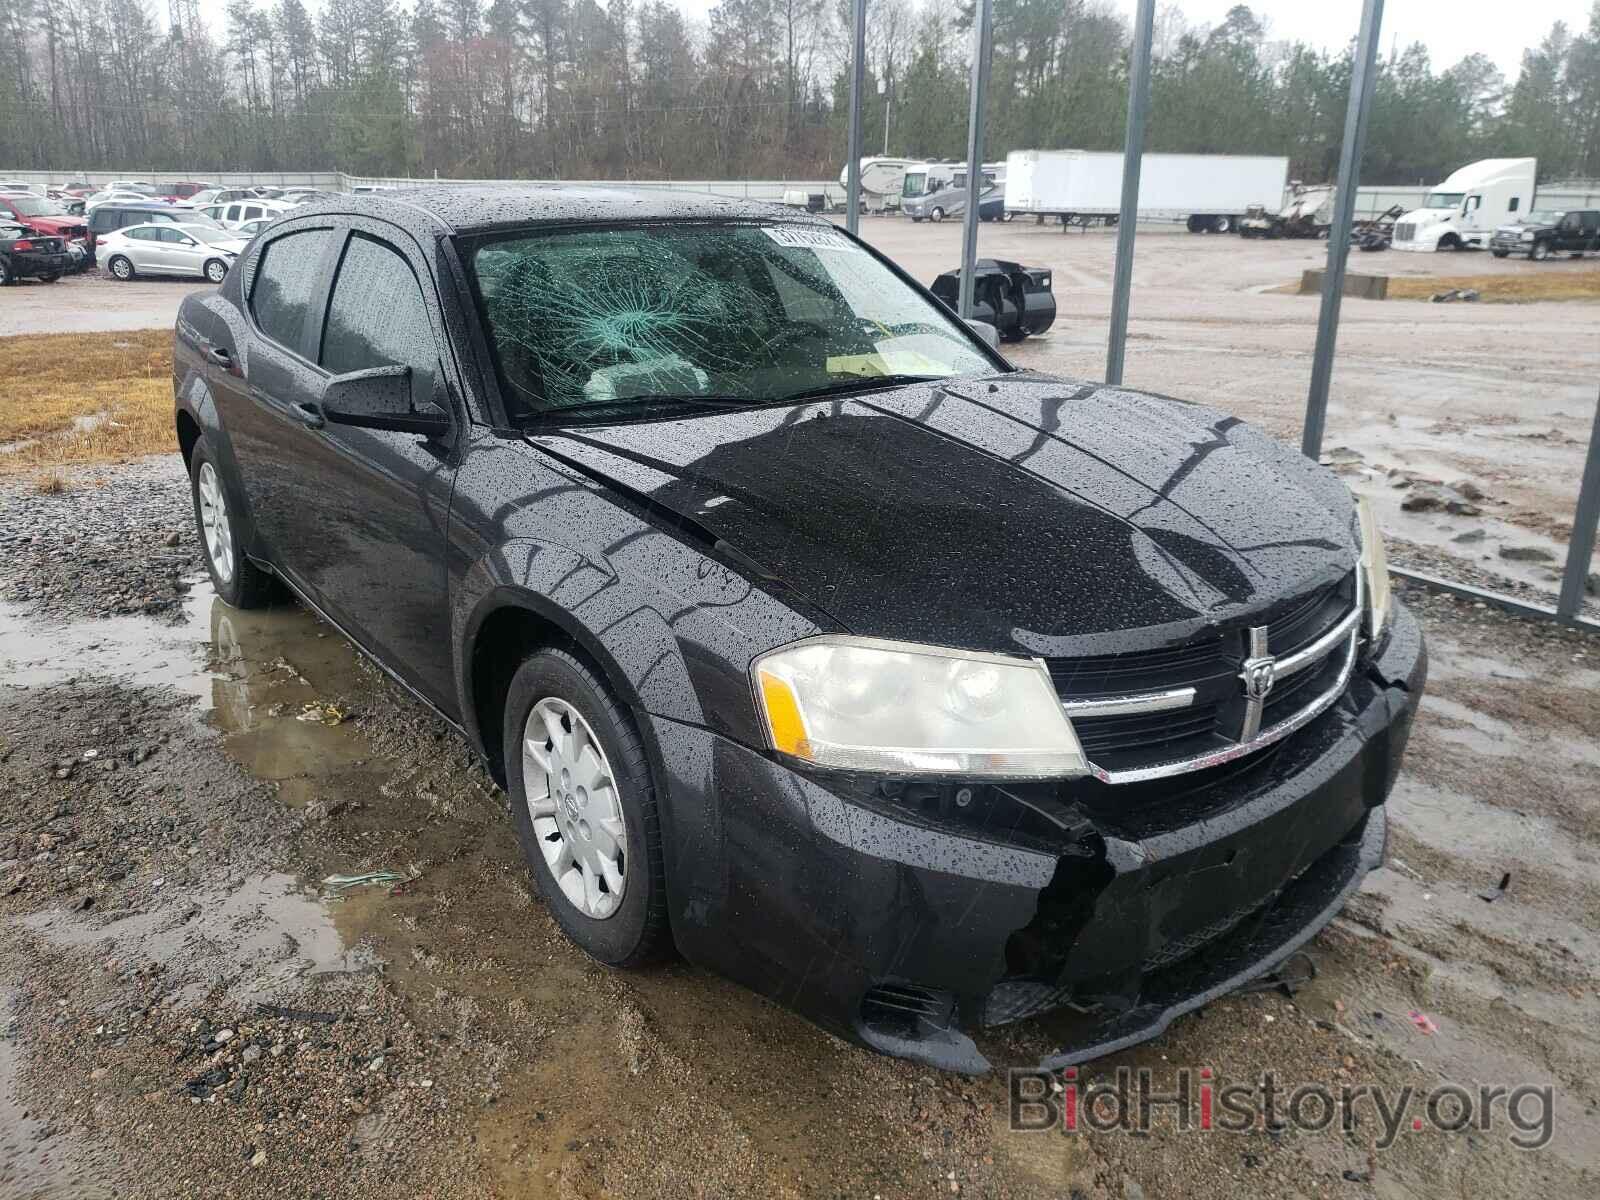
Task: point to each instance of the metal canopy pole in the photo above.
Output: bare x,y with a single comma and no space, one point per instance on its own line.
1581,546
858,76
1132,154
983,33
1363,73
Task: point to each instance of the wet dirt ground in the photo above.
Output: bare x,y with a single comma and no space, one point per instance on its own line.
92,303
189,1010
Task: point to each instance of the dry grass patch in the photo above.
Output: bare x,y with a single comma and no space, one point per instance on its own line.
1541,281
71,398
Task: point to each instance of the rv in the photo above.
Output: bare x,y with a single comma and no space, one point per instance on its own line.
880,181
934,191
1463,211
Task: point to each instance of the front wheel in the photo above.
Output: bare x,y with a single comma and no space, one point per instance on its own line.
120,268
1500,253
216,270
585,809
236,579
936,215
1540,251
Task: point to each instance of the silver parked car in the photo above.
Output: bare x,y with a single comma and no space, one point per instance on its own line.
165,248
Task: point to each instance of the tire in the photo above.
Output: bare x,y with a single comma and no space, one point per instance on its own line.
48,278
1539,251
215,270
1500,253
936,214
1195,224
5,272
632,931
1008,216
916,220
1222,224
239,582
120,268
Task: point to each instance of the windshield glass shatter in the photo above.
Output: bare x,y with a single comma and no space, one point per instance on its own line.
674,313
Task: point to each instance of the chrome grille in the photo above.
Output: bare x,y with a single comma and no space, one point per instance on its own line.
1405,231
1182,708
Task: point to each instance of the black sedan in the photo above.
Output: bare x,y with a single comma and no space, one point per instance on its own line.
806,635
25,254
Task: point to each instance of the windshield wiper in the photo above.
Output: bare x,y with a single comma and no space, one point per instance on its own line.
863,383
630,406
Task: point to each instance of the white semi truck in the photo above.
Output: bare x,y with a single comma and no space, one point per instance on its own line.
1210,193
1463,211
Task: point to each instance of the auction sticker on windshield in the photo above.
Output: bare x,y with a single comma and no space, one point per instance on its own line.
809,239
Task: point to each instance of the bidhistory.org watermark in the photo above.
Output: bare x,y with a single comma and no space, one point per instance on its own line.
1196,1101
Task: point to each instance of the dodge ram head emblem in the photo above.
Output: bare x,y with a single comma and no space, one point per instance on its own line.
1259,675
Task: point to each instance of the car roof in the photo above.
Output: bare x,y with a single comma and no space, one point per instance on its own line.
483,207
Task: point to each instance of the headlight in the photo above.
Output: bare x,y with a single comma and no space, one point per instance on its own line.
1374,569
1526,236
864,704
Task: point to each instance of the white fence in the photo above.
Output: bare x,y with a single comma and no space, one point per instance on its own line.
1370,201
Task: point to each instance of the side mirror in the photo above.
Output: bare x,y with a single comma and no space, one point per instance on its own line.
986,331
379,398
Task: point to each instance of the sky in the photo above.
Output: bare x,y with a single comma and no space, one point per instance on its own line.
1451,29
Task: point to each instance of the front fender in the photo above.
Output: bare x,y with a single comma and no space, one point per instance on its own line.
674,630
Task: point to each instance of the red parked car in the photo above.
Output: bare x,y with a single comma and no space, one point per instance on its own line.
43,216
183,190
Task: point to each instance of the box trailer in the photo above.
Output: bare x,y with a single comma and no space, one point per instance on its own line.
1209,192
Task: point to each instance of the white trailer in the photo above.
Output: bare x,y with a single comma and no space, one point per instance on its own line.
1209,192
1463,211
881,180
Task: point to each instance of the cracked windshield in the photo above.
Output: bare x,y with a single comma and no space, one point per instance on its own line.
634,319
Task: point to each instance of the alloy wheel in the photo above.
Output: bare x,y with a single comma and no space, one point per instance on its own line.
214,523
122,268
574,806
216,272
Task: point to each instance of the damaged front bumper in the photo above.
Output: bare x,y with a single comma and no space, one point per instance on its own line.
907,921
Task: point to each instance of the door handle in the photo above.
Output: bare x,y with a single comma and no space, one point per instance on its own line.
310,414
220,356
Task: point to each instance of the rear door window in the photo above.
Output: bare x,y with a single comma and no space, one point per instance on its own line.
284,284
377,317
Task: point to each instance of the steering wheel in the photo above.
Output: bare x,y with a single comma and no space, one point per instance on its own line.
789,335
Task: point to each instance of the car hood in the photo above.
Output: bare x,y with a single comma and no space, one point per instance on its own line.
53,226
1521,227
1013,513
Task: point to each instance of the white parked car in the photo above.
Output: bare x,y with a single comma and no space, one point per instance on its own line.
237,212
169,249
249,229
118,196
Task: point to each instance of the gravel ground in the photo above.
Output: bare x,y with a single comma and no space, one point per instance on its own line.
171,818
116,539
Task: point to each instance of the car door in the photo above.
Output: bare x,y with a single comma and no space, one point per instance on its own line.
374,554
1590,221
185,256
144,249
265,381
